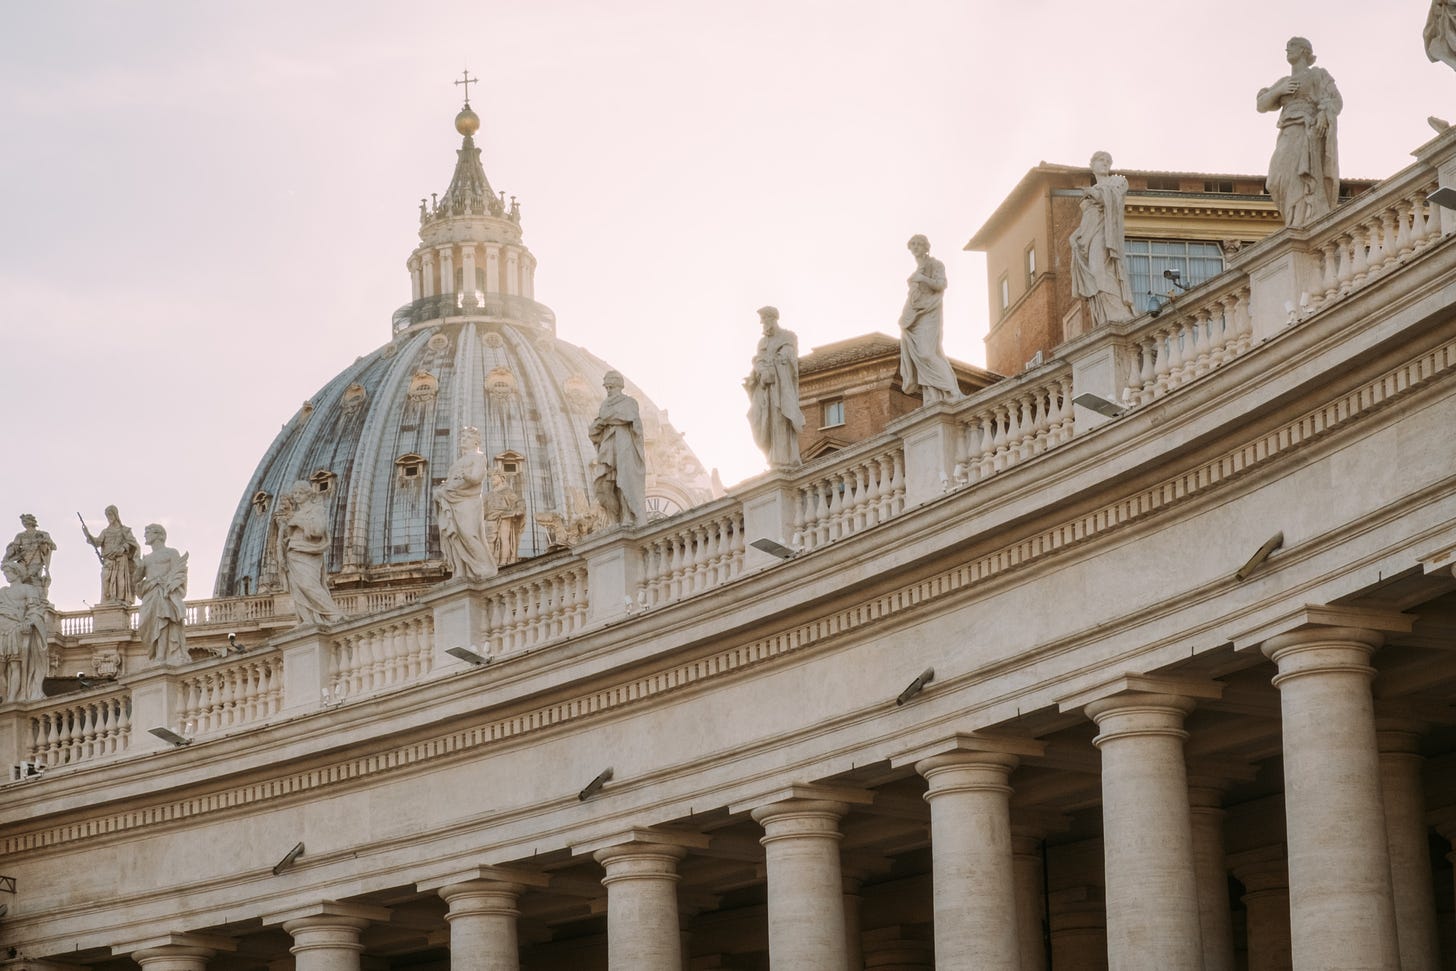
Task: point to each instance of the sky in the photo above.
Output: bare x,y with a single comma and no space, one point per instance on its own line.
207,207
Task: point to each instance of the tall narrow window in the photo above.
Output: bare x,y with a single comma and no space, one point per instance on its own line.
1030,265
1005,287
833,412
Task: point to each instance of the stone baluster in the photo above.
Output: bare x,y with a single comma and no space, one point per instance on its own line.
1404,210
987,445
897,478
1003,438
1359,253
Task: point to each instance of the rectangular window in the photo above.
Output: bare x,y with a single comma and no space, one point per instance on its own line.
1005,287
1030,265
1196,262
1218,186
833,413
1156,184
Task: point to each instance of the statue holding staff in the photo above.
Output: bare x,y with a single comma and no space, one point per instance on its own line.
118,551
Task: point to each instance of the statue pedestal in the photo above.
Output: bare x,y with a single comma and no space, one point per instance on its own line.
110,617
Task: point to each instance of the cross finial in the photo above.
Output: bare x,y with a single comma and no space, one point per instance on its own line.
467,80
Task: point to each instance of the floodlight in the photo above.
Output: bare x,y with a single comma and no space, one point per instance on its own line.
1270,545
467,655
915,687
289,858
167,735
595,786
1099,404
774,548
1445,197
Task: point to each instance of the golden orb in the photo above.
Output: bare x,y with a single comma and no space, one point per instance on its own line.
467,122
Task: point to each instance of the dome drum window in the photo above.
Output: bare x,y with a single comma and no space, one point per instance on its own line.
410,467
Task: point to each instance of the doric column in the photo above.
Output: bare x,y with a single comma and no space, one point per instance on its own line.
899,949
970,841
853,879
1078,925
1403,798
1341,911
1205,798
326,935
1153,918
1028,871
806,927
176,952
642,923
1265,877
482,915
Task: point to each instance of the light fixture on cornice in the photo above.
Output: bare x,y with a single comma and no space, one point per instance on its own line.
1257,560
1445,197
467,655
289,858
1099,404
774,548
167,735
595,786
234,646
915,687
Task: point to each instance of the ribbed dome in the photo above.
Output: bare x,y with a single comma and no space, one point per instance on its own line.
380,435
473,349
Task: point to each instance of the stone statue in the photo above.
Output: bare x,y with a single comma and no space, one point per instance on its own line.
460,512
1440,32
30,551
24,650
1099,273
119,551
773,392
620,477
1304,172
301,518
923,365
161,581
505,511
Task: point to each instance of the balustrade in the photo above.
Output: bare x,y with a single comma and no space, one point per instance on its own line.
695,557
380,656
859,493
1202,337
1015,425
224,696
80,730
536,610
1350,256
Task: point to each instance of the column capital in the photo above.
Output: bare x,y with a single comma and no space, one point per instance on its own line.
1261,870
175,944
483,875
801,792
644,837
325,911
1138,690
968,748
1316,616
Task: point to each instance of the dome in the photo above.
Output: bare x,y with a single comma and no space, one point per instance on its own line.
472,349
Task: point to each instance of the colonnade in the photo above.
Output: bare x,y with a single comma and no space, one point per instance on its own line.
1350,889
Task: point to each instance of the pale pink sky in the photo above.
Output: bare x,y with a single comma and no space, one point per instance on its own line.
207,207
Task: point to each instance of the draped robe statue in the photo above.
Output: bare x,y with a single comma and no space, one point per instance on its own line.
119,552
1304,172
924,367
161,580
301,519
24,643
620,476
460,511
773,393
1099,272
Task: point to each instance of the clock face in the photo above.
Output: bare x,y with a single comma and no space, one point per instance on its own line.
660,507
